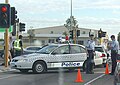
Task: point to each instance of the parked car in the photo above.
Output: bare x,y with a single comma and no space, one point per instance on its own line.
31,49
69,56
117,71
2,53
105,54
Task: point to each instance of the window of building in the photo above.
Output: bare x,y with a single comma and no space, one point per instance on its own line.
51,41
83,32
43,42
81,42
51,32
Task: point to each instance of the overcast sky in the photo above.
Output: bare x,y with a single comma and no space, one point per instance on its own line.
93,14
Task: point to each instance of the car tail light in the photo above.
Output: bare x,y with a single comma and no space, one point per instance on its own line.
103,55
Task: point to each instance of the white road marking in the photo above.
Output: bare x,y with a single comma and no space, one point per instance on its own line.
88,83
9,76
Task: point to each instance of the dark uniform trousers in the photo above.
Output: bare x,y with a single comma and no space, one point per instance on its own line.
90,61
113,58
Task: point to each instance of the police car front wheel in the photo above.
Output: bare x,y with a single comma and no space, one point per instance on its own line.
39,67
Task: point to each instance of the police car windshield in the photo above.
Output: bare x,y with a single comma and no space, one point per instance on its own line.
47,49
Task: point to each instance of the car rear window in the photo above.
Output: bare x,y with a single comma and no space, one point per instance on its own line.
100,49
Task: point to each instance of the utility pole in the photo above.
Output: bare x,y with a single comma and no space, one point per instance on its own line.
6,43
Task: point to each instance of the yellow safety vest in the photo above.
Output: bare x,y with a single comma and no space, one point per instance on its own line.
17,45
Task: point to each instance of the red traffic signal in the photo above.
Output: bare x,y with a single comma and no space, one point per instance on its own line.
3,8
66,38
5,15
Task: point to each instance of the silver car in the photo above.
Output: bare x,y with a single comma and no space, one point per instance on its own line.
117,71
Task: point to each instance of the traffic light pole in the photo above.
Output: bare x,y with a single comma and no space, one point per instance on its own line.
17,26
6,43
74,35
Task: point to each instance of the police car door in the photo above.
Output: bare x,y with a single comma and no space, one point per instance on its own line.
61,57
78,55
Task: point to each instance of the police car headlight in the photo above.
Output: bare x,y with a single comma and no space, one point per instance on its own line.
23,60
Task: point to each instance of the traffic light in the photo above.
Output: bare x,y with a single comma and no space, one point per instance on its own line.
13,15
103,34
14,30
100,33
71,34
21,27
78,33
5,15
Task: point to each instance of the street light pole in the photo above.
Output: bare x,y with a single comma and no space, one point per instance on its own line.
71,17
72,26
71,7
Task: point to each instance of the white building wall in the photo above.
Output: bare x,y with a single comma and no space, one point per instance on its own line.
47,34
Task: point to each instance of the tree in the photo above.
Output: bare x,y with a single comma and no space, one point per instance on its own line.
65,33
118,38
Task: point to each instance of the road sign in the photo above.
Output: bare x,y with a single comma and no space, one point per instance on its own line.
3,29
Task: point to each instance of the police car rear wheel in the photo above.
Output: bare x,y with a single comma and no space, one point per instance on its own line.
39,67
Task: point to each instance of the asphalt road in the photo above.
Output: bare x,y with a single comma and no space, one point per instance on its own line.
56,77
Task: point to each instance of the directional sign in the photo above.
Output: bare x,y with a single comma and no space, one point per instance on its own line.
3,29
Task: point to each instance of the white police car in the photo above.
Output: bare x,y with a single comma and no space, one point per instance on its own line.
104,55
53,56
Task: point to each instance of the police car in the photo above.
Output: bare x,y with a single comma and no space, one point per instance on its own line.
69,56
104,55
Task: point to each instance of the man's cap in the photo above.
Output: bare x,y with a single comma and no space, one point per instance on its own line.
20,36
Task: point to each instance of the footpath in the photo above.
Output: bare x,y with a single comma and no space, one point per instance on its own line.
3,68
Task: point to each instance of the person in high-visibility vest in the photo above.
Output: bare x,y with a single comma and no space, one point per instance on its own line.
18,46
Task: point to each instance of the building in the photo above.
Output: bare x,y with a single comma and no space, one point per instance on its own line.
42,36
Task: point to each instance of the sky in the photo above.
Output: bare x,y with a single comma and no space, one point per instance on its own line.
92,14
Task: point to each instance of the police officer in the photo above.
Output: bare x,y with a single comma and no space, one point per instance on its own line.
114,46
18,46
90,59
